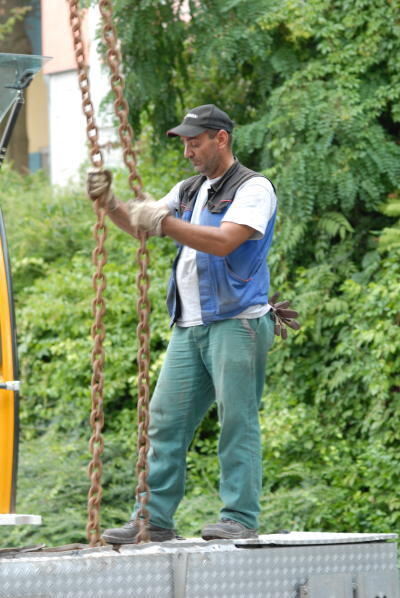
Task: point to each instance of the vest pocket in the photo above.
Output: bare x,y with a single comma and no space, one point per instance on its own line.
236,276
230,289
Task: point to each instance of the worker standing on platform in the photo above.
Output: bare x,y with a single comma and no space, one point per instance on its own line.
222,220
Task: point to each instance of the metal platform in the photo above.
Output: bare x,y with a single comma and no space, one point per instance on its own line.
20,519
295,565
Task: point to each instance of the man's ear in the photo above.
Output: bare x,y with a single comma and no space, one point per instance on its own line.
223,138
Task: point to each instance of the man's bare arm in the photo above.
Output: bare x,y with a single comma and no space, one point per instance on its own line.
219,241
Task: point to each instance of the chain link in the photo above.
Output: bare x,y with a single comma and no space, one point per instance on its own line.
99,258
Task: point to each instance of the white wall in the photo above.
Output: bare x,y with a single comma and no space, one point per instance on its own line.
67,123
100,88
66,127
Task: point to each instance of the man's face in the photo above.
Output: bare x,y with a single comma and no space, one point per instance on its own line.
203,152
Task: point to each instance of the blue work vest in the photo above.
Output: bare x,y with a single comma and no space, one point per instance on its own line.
227,285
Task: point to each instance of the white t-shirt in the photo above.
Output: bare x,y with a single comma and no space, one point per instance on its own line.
253,206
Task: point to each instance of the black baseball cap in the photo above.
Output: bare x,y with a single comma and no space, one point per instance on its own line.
200,119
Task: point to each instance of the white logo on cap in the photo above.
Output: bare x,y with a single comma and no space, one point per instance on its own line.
191,115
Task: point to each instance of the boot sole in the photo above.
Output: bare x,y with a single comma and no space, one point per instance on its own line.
225,536
153,538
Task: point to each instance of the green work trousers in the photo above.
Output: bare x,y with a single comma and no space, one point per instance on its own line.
223,362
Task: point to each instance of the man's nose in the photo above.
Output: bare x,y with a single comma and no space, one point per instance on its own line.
187,152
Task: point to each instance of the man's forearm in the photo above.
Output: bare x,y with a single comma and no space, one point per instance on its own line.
218,241
120,217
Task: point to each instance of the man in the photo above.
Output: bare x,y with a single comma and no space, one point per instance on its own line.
222,220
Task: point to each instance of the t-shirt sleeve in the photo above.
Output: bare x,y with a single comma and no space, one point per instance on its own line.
254,205
172,198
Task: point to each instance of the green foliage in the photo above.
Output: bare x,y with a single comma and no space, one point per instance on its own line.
44,225
7,22
331,414
157,52
390,236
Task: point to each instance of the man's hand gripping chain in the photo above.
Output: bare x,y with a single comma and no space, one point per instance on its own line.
99,187
147,215
283,316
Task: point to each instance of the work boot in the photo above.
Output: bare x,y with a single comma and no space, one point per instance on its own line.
127,534
227,529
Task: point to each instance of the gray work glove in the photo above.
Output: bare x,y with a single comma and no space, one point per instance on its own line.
147,215
99,187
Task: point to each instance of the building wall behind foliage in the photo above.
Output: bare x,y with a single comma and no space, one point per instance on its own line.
67,125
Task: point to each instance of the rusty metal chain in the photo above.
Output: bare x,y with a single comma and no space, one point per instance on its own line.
143,305
96,443
99,257
121,107
84,85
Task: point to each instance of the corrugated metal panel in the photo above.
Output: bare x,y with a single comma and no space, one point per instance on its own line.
378,585
197,569
328,586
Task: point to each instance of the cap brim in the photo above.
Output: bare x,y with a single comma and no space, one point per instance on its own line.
185,131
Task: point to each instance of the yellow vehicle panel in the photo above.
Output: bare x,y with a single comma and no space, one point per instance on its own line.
8,372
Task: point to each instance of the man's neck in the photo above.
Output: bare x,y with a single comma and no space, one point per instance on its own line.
222,168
